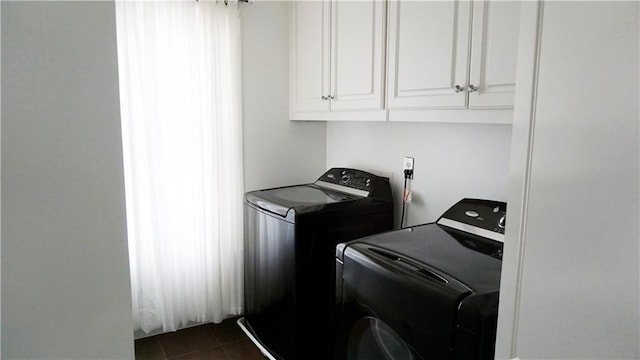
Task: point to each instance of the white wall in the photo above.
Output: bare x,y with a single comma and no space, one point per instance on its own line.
65,275
578,274
452,161
277,151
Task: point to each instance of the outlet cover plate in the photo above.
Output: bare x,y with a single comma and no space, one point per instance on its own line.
408,163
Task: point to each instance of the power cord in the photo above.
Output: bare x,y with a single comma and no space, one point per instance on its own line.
408,174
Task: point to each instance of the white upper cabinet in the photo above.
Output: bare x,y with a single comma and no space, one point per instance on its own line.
338,60
494,49
428,53
452,55
404,60
310,24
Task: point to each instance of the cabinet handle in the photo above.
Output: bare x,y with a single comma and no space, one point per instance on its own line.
323,98
458,88
473,88
331,97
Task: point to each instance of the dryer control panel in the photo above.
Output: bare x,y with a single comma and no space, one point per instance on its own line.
485,218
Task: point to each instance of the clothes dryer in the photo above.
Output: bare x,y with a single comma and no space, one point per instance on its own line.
290,237
424,292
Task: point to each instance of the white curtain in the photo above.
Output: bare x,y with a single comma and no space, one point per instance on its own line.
182,138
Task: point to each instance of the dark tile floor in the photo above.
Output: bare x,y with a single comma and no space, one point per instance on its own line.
224,341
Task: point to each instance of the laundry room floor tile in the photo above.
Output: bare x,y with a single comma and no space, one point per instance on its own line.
223,341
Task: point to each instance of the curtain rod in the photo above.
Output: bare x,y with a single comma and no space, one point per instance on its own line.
226,2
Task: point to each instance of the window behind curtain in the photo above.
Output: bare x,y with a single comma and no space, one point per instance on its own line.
182,138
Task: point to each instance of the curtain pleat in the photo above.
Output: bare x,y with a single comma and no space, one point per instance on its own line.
182,139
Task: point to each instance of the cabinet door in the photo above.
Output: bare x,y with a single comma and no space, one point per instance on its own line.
357,55
428,53
493,53
310,40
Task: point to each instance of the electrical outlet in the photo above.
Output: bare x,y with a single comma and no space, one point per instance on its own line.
408,163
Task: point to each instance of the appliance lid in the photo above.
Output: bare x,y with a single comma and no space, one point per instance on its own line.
432,249
336,185
281,200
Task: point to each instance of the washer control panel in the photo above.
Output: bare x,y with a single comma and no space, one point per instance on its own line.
355,179
351,181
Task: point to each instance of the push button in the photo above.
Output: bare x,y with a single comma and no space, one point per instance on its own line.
471,213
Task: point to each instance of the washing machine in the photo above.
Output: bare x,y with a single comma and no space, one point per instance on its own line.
290,237
424,292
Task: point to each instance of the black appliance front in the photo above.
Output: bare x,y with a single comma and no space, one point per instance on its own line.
290,237
424,292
